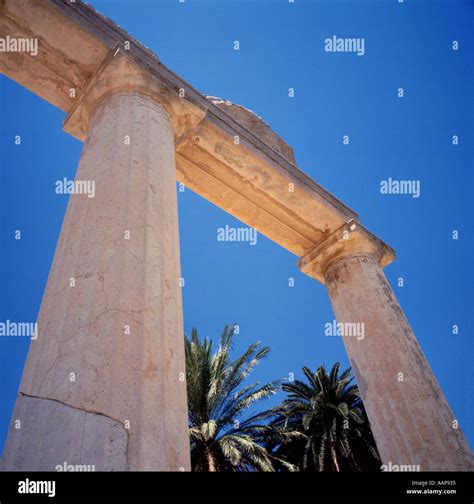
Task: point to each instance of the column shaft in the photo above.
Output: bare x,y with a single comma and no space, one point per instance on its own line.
104,383
409,415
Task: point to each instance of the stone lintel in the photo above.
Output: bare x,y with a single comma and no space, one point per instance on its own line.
256,180
123,72
351,239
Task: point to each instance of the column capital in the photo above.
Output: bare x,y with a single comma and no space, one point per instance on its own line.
349,240
122,71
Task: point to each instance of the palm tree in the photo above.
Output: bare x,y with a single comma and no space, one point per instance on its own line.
329,415
221,440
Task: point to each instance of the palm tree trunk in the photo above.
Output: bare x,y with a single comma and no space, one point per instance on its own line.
210,461
334,459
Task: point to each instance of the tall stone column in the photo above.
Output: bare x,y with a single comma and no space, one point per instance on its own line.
410,418
104,383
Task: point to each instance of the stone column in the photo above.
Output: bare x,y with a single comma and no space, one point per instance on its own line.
104,383
410,418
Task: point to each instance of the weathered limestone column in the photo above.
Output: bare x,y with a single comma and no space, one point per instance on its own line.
410,418
104,383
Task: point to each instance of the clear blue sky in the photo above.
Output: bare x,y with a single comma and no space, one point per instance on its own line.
407,45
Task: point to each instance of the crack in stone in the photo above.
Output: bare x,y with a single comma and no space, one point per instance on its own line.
85,411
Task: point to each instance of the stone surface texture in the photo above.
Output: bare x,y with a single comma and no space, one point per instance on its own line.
120,282
87,439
